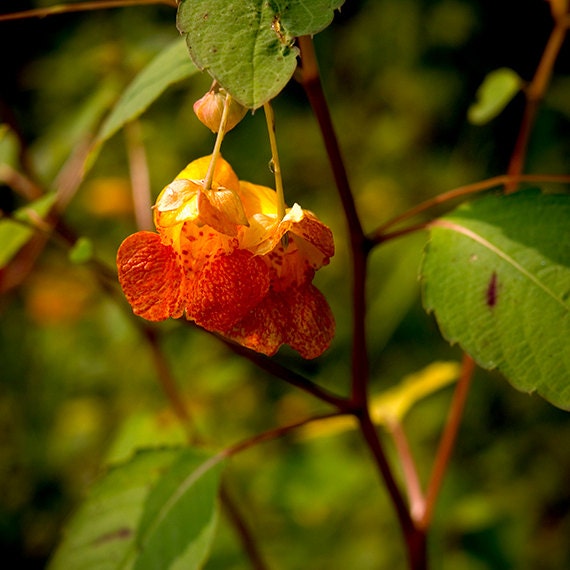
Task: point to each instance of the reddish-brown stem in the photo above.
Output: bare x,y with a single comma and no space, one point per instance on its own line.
140,179
414,537
413,486
360,248
383,238
379,234
274,433
310,79
81,7
291,377
448,439
167,381
20,183
311,82
238,521
534,94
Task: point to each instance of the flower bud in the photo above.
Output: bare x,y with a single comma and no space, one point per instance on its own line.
210,107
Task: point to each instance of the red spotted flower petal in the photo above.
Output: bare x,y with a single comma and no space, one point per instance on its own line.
227,289
151,277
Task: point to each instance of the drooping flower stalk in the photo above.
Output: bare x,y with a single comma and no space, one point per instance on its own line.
218,143
275,164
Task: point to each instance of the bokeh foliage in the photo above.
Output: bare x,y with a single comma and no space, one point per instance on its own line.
77,386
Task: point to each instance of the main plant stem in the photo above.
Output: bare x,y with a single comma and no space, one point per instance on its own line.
360,248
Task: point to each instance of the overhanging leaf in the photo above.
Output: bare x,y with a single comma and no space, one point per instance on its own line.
168,67
247,45
496,274
494,94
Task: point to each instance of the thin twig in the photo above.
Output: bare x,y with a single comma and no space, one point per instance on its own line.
275,433
71,175
413,486
140,178
379,233
81,7
448,439
290,377
414,537
20,183
167,381
238,520
534,95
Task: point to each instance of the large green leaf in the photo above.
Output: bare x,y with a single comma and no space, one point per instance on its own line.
157,510
496,274
177,525
170,66
247,45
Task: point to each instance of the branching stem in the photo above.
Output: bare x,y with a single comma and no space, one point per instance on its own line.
448,439
379,234
360,248
534,95
81,7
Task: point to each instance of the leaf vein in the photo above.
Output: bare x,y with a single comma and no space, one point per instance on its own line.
446,224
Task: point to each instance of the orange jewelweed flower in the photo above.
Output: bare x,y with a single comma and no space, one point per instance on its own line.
219,256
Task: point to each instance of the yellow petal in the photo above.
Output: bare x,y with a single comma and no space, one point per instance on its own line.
224,174
258,199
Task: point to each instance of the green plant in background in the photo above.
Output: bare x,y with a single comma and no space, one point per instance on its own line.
234,266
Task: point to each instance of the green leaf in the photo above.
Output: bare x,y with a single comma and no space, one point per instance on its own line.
9,146
13,234
168,67
156,511
496,275
82,251
101,534
178,523
247,45
497,90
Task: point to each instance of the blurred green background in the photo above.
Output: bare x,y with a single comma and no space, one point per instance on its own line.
77,383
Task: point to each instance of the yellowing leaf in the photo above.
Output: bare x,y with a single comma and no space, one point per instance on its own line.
393,404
